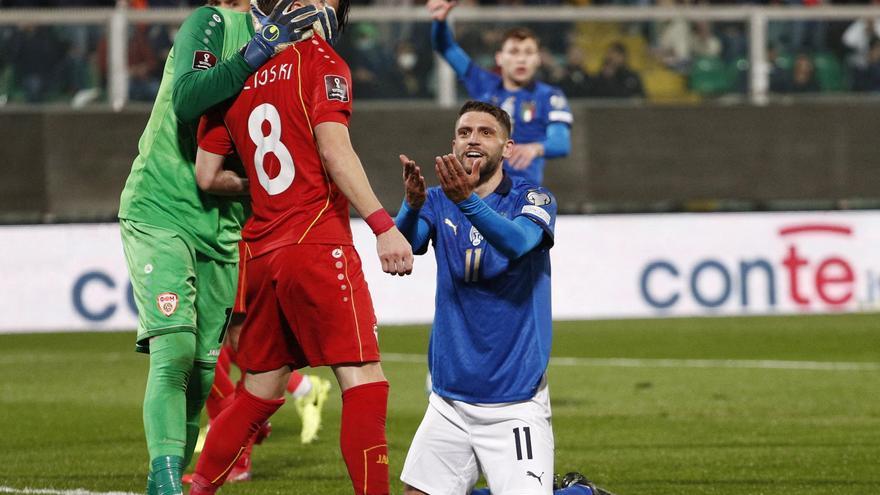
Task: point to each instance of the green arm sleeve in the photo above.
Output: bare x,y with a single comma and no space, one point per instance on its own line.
198,87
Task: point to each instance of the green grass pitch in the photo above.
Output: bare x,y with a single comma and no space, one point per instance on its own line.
70,410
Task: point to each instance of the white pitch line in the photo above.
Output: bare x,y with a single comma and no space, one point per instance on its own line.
48,491
60,357
757,364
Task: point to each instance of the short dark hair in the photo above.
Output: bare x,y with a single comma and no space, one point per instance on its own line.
520,34
342,14
341,11
480,106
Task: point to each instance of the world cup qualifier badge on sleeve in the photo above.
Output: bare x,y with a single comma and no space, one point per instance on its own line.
203,60
538,198
337,88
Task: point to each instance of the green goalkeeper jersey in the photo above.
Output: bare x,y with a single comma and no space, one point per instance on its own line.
203,68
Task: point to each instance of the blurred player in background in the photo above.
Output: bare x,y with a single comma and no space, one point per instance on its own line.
541,116
490,342
307,301
181,245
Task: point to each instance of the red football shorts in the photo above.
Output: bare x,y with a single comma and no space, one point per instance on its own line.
239,306
307,305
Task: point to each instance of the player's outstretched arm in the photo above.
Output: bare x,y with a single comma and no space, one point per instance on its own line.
344,167
442,39
440,9
512,238
416,230
213,179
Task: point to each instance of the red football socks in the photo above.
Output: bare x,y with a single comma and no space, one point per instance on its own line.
222,391
229,438
362,437
295,379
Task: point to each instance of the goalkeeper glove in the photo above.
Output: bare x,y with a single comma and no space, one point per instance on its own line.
278,29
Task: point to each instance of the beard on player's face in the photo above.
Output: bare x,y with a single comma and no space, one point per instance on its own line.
479,136
489,161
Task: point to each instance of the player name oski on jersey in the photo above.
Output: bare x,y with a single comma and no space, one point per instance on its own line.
280,72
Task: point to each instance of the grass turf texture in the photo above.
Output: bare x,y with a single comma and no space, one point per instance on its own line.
70,412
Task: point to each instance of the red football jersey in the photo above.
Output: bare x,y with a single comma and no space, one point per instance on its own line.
271,123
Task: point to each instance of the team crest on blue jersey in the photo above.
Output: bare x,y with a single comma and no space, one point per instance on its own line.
528,110
476,236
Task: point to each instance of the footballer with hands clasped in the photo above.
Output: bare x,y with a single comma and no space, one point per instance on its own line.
489,410
306,298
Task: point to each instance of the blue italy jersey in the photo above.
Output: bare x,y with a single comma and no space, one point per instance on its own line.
490,341
531,110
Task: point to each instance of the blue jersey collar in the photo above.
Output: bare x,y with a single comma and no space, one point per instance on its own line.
530,87
505,185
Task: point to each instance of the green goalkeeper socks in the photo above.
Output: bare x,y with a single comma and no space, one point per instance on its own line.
165,408
200,382
165,472
151,486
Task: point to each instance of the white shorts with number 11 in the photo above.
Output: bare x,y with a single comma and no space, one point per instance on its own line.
510,443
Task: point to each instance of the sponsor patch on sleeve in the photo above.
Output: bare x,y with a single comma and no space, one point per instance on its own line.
337,88
538,212
538,198
558,102
203,60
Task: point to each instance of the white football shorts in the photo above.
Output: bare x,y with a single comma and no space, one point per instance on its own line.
510,443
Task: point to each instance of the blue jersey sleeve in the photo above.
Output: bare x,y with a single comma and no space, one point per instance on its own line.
445,45
476,80
558,109
558,141
512,238
538,205
416,229
479,82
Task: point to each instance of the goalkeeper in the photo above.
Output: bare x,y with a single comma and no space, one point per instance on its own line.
181,245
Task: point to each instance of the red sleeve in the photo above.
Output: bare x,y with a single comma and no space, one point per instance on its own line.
332,89
213,135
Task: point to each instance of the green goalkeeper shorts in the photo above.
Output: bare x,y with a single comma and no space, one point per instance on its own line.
177,289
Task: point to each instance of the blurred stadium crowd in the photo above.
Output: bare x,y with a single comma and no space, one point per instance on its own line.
674,60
